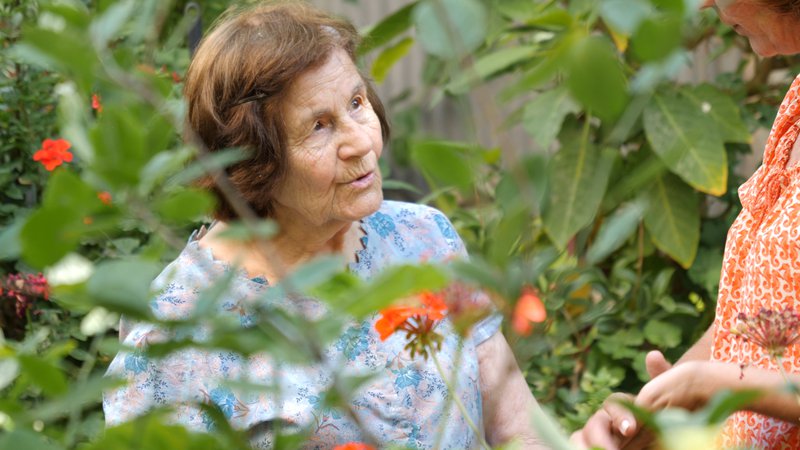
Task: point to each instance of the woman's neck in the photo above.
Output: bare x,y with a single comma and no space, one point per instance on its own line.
284,252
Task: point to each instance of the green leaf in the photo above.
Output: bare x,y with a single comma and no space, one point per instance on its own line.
79,395
725,403
44,374
238,231
544,115
673,219
10,240
387,29
684,137
207,163
185,205
124,285
388,58
625,15
615,230
393,284
662,334
432,156
108,25
596,79
490,65
450,29
25,439
721,109
49,234
579,176
657,37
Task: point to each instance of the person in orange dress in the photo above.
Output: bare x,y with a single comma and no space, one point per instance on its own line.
761,271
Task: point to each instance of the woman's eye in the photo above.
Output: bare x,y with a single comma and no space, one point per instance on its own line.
357,102
318,126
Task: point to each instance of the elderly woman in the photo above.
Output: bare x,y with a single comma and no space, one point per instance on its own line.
281,81
761,269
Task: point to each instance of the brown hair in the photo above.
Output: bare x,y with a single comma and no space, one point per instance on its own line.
236,83
785,6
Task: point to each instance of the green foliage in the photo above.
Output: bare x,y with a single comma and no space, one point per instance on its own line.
603,213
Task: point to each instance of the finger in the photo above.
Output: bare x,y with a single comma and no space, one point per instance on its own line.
622,419
598,433
577,441
656,363
643,440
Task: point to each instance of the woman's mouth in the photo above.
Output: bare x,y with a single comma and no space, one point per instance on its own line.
363,181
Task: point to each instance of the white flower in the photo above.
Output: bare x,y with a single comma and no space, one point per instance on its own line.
71,269
98,321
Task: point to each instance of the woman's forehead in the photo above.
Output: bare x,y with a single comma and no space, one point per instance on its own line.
337,77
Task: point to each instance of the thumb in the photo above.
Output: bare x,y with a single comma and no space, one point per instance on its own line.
656,363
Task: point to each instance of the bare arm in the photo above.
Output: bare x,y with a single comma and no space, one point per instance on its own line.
701,350
506,396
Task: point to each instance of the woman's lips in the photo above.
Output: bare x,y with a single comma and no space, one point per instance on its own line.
363,181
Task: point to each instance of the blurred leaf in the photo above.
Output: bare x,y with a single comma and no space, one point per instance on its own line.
725,403
545,114
707,268
432,156
108,25
388,58
391,285
673,219
207,163
49,234
657,37
124,285
625,15
602,90
450,29
44,374
684,137
238,231
184,205
387,29
662,334
10,245
25,439
615,230
506,235
489,65
579,176
80,394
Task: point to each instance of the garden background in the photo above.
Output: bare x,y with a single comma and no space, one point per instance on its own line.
587,153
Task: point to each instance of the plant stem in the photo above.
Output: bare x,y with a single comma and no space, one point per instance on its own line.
459,404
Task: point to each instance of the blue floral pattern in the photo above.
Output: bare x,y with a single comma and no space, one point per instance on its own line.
403,402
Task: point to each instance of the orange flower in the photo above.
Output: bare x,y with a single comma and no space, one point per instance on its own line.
417,321
53,153
104,197
354,446
529,309
96,105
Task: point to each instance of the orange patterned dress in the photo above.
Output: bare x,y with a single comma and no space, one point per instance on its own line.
761,268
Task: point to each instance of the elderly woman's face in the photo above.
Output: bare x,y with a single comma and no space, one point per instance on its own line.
770,32
334,142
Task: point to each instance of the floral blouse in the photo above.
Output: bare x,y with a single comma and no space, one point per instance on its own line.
761,268
405,403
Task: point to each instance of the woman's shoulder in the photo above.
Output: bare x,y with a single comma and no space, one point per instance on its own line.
397,216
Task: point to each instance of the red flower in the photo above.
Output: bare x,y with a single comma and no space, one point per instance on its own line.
417,321
175,77
24,289
104,197
529,309
96,103
354,446
53,153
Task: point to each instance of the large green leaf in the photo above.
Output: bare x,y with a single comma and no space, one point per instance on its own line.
391,285
124,285
444,163
721,109
596,79
450,29
44,374
616,229
685,138
491,64
49,234
579,176
673,219
544,115
388,58
625,15
657,37
386,30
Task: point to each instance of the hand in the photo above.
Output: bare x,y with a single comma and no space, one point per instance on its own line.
613,426
683,386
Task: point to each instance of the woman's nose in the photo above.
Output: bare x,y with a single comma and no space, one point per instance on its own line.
354,140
